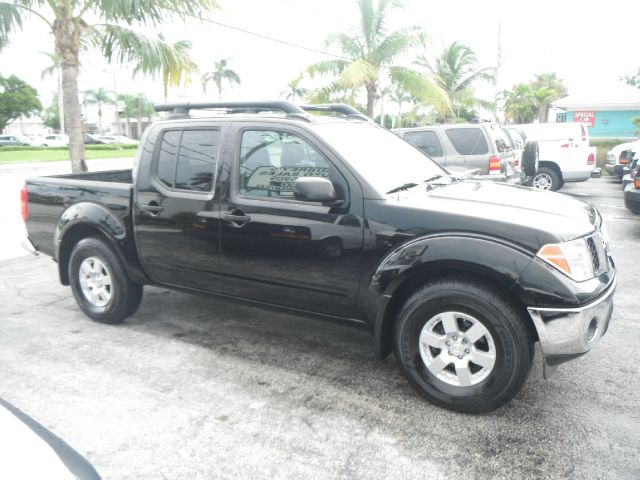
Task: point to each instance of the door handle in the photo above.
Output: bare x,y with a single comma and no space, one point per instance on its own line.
236,218
153,208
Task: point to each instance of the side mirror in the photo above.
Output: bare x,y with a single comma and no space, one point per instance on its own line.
315,189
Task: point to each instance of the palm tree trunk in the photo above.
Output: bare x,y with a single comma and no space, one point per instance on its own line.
371,98
128,120
67,45
220,91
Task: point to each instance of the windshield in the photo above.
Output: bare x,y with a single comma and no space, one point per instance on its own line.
381,157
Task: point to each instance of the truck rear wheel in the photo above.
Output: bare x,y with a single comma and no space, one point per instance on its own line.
100,283
546,179
463,346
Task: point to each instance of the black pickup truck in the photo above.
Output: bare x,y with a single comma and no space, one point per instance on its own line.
327,214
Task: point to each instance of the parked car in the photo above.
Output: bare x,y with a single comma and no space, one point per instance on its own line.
339,219
631,187
14,141
31,451
484,147
55,140
121,139
617,159
565,153
90,139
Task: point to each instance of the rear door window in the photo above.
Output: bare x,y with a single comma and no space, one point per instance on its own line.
427,141
187,159
468,141
500,139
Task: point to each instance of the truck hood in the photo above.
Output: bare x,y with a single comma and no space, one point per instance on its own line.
517,214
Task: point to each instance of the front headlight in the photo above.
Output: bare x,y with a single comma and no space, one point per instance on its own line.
571,258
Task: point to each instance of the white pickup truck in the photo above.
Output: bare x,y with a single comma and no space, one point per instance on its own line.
565,154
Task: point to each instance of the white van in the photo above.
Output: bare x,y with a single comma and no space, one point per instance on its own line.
565,154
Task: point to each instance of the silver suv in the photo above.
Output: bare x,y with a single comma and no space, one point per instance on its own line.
483,147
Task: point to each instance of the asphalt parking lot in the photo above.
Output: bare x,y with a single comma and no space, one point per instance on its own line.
196,387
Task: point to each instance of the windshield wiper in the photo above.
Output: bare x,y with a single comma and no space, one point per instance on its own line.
406,186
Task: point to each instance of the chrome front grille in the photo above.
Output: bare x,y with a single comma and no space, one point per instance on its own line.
598,253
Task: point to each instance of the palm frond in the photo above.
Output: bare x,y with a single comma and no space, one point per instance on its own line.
348,45
421,88
334,67
396,44
11,17
359,73
150,56
151,12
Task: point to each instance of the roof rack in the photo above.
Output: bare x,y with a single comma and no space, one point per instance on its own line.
182,109
343,108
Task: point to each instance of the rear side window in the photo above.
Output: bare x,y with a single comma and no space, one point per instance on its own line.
503,144
187,159
427,141
468,141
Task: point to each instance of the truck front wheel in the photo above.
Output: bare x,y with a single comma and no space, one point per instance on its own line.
463,346
100,283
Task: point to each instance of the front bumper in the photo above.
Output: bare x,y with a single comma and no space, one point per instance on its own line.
632,198
567,333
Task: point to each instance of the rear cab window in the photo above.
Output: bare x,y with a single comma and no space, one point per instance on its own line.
468,141
187,159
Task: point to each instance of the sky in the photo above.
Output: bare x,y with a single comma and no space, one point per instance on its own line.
588,46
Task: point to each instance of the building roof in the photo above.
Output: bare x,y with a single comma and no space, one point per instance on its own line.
611,97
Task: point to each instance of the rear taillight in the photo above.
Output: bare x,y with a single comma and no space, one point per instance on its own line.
495,165
584,133
564,145
624,161
591,160
24,203
636,183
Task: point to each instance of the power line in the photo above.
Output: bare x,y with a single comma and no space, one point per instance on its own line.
277,40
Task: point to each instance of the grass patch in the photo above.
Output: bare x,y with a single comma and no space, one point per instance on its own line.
55,155
100,146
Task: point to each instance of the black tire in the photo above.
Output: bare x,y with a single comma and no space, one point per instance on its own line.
530,159
510,336
547,179
123,296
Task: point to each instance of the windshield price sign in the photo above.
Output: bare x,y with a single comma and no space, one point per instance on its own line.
281,179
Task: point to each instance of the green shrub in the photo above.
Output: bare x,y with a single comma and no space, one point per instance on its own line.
100,146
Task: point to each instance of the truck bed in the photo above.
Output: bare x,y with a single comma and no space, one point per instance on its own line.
51,196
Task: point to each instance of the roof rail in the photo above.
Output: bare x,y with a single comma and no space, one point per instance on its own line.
343,108
182,109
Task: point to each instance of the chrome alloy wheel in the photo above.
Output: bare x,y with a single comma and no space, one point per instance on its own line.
457,349
542,181
95,281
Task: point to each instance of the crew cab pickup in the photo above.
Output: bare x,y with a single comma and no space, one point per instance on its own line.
335,217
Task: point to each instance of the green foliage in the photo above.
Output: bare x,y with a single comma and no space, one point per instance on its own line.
602,148
17,98
636,122
632,79
370,53
527,101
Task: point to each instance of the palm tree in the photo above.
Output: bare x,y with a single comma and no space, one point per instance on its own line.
370,52
219,75
69,21
547,88
399,96
98,97
144,108
129,109
520,103
294,90
456,71
54,68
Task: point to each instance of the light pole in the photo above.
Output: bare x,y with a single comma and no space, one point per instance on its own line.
115,99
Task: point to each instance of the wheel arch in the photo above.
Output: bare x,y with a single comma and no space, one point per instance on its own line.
501,266
553,166
85,220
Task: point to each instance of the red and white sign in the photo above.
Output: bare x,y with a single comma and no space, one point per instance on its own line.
588,118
